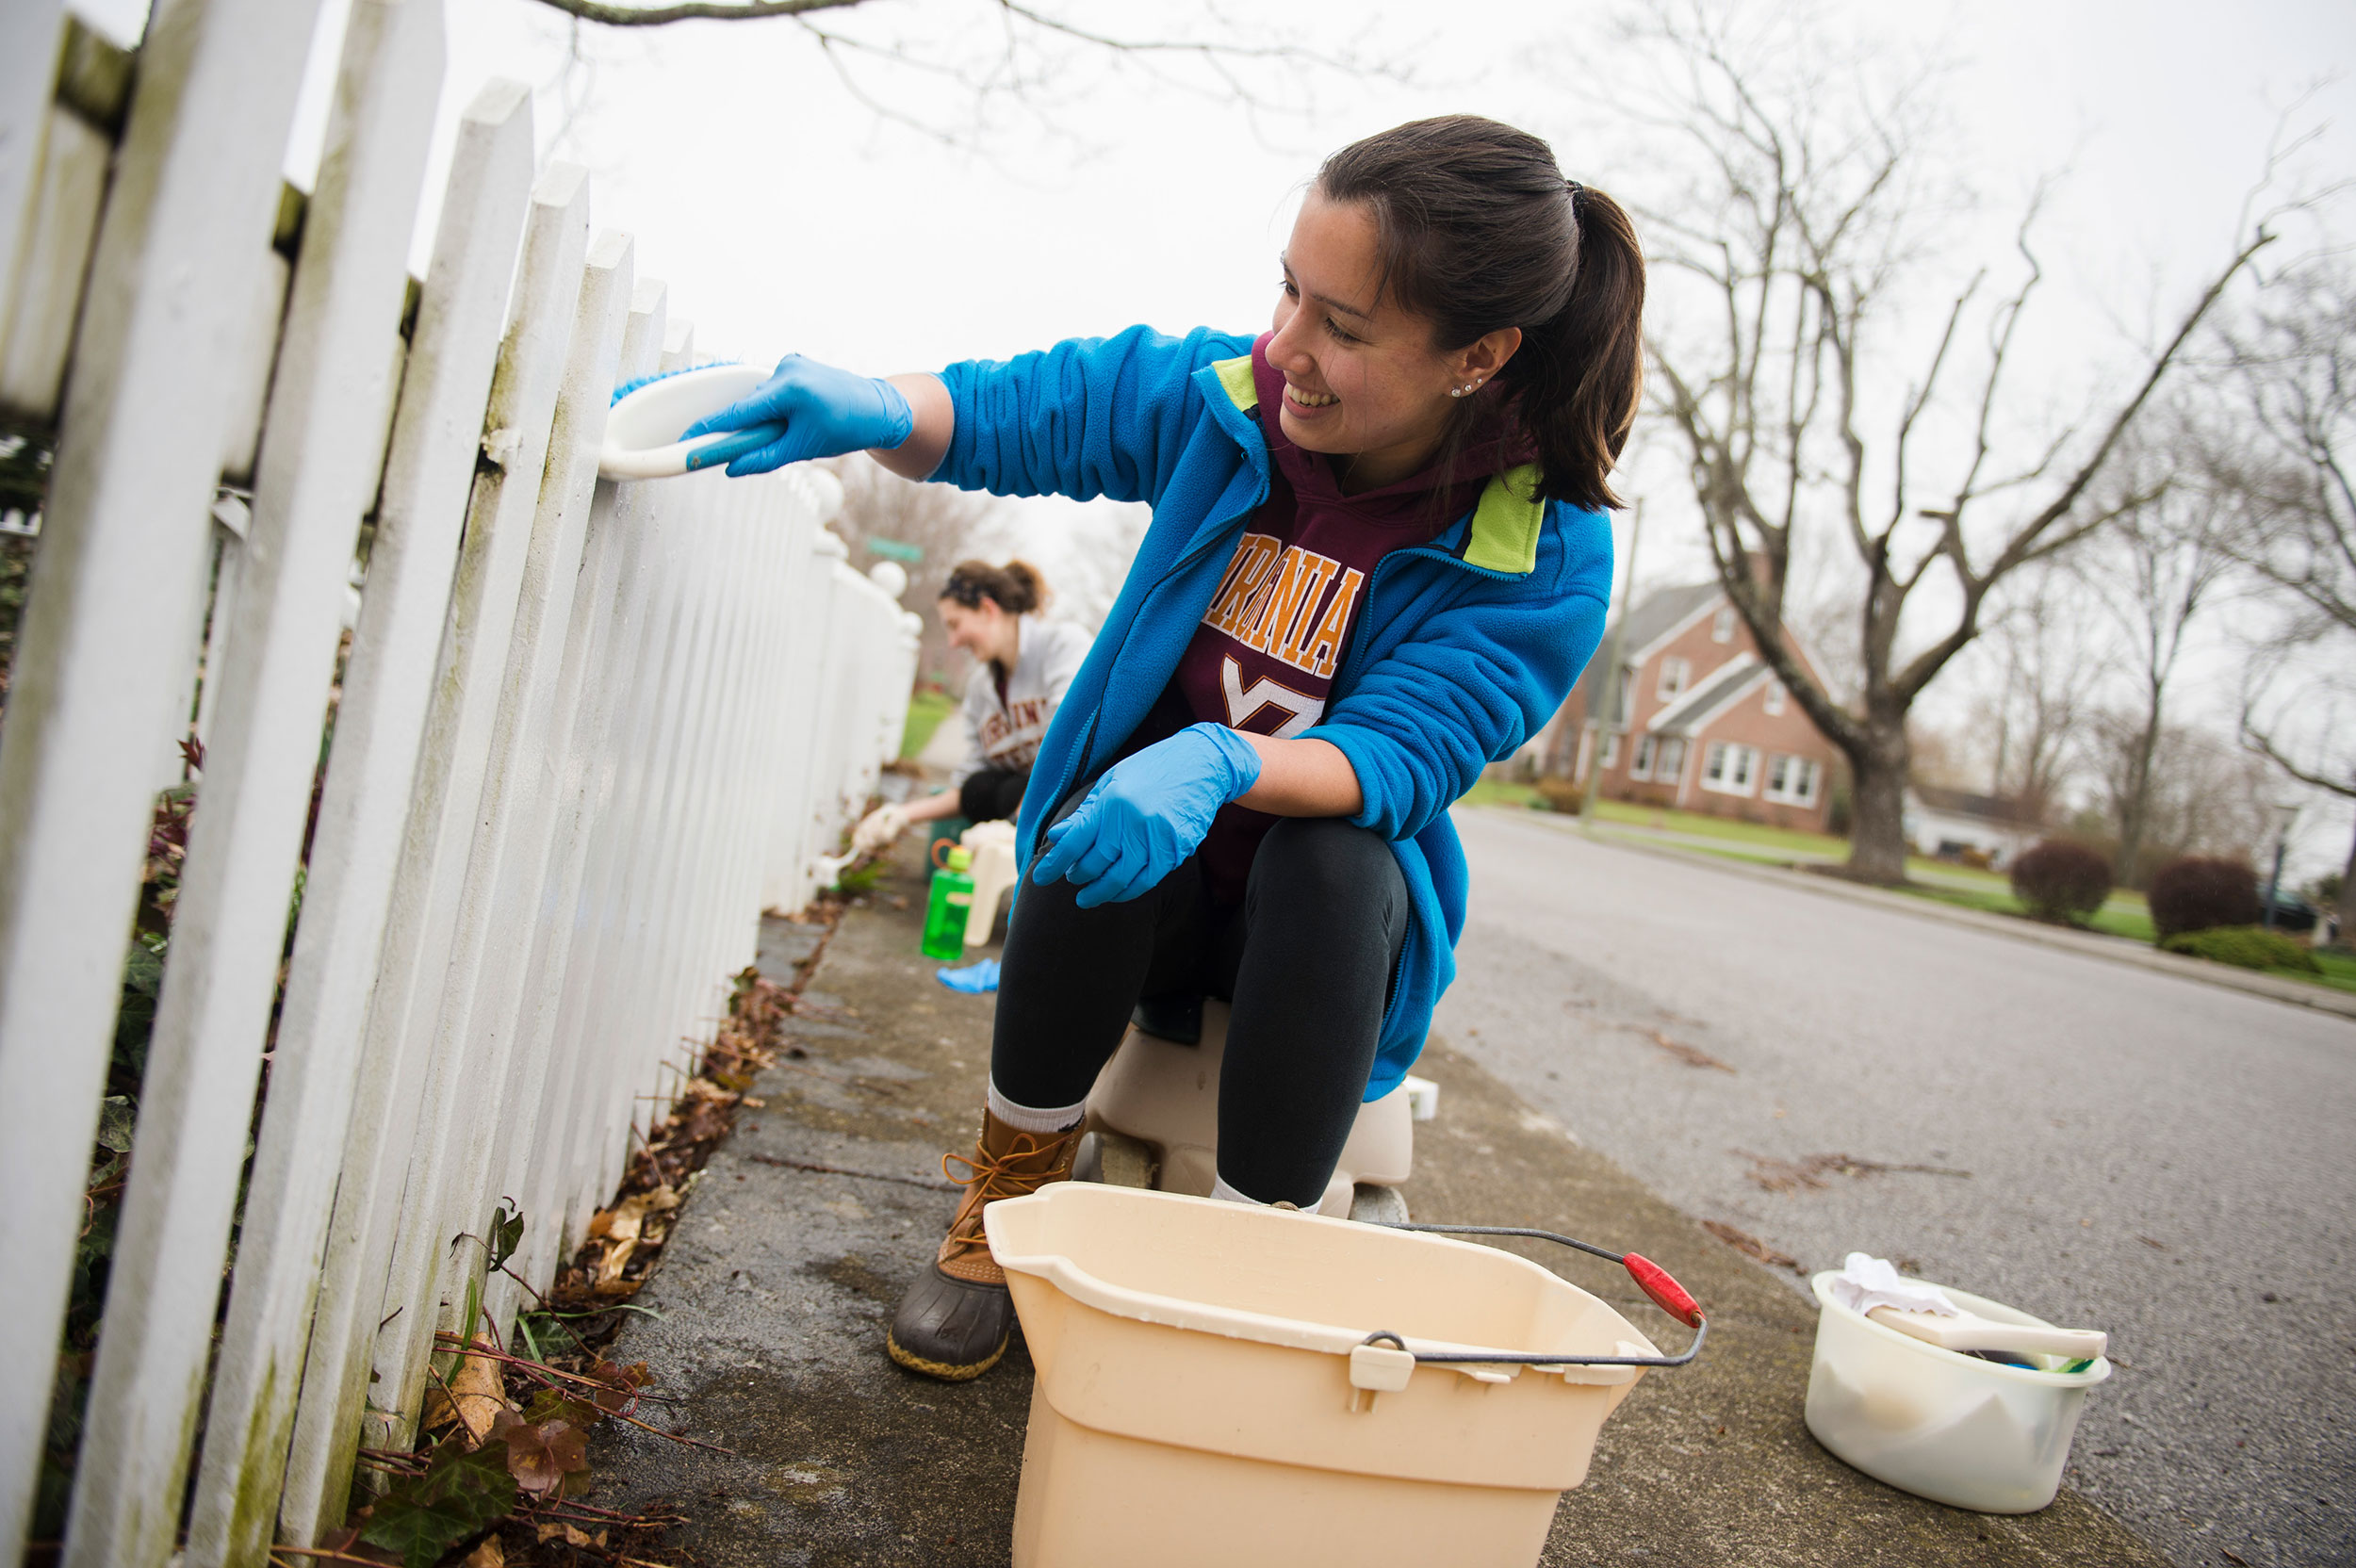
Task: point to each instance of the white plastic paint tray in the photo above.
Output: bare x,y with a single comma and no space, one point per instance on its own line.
1940,1424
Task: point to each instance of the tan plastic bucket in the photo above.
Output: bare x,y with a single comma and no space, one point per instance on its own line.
1206,1395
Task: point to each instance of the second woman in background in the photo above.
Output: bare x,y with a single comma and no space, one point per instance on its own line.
1021,665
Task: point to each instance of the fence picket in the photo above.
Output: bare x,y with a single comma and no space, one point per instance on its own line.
52,248
378,731
30,33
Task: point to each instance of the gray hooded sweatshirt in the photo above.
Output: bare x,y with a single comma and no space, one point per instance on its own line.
1006,734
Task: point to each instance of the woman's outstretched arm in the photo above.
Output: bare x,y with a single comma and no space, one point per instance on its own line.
936,422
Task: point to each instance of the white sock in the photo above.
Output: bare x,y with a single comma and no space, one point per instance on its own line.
1030,1118
1225,1194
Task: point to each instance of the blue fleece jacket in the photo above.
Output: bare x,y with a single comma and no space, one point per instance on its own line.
1464,647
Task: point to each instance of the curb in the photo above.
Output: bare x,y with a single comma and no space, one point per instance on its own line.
2117,950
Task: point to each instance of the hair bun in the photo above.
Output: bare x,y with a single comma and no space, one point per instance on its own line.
1017,587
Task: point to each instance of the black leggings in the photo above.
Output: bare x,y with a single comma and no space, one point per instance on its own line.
1306,960
992,795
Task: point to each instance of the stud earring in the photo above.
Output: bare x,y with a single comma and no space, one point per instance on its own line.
1455,391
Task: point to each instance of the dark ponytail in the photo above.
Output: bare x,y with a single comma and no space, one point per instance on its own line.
1016,587
1479,232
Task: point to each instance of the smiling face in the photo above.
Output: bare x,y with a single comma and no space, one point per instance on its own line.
985,630
1363,381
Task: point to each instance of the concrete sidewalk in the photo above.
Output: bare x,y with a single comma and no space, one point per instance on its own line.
801,1233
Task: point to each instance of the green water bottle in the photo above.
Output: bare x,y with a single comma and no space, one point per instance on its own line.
953,901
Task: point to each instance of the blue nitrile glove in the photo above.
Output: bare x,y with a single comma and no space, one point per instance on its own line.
815,410
973,979
1148,813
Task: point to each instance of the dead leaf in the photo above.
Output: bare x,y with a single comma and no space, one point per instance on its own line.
490,1555
540,1456
479,1389
621,1385
621,1225
1750,1246
753,1103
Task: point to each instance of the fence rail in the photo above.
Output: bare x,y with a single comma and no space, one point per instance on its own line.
579,735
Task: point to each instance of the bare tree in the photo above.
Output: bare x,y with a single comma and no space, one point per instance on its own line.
2203,794
2045,676
2292,364
1807,209
884,516
1000,51
2155,571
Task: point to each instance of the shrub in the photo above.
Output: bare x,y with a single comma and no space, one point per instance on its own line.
1560,794
2247,947
2200,892
2061,881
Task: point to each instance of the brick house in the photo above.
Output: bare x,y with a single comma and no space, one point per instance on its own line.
1703,723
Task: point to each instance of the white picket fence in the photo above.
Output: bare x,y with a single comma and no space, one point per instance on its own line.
585,733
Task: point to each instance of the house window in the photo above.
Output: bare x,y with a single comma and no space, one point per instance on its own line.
1722,625
1640,765
1668,764
1792,780
1611,749
1729,769
1674,674
1774,698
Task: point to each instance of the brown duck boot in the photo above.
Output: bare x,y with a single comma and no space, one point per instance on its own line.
956,1322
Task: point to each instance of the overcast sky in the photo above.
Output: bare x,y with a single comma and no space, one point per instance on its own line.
788,216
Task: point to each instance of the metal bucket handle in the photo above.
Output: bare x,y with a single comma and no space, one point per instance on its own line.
1651,1277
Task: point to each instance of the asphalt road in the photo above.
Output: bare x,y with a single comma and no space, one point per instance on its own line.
2167,1160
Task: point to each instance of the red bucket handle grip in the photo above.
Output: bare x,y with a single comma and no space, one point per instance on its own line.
1669,1296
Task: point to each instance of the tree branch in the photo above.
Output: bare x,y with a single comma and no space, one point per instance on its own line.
691,10
2260,742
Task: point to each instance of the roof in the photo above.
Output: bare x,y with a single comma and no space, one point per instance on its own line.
1963,803
1715,691
1661,612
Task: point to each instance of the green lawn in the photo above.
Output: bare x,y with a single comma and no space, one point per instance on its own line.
1491,792
2339,969
925,711
2123,914
1783,840
1496,791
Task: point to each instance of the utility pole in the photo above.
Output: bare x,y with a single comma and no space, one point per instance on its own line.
1609,687
2284,814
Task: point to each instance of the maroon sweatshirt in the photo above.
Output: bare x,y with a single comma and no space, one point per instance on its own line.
1264,656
